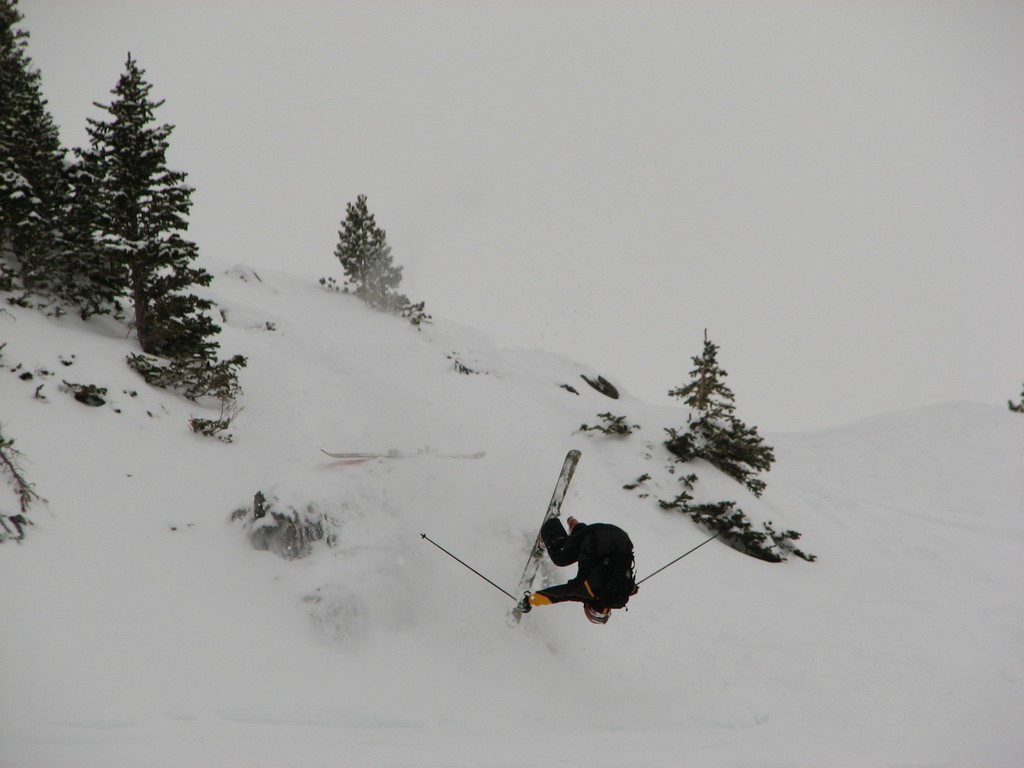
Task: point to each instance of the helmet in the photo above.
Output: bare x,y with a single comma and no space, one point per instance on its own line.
596,615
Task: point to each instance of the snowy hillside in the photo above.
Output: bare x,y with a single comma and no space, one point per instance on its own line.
141,628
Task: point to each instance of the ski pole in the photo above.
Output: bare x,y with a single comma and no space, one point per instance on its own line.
474,570
645,578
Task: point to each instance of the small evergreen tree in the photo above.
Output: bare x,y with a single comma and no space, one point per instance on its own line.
365,255
613,425
32,179
1017,407
716,435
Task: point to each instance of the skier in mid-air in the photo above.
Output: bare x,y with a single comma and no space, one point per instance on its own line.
605,578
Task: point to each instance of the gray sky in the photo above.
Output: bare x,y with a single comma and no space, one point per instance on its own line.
834,189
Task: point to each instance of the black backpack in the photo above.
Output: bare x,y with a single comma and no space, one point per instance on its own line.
613,574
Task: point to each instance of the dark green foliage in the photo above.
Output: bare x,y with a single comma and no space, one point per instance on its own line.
370,272
365,255
638,482
725,518
707,391
107,232
716,435
87,277
784,541
679,502
194,377
613,425
1017,407
86,394
32,183
682,501
46,208
415,313
136,209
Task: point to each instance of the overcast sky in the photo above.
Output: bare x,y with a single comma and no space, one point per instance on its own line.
835,190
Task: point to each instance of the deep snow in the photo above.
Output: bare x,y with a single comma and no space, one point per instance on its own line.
140,628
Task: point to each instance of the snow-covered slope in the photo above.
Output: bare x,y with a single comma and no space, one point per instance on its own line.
140,628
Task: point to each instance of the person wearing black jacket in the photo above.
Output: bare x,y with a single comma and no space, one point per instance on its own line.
605,578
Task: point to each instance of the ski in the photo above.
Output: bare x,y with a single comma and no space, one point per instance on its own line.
394,453
537,552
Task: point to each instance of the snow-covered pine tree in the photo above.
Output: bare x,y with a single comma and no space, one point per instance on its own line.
370,272
137,209
141,208
716,435
32,180
90,278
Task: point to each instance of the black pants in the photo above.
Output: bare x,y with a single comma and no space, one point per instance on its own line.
557,542
564,549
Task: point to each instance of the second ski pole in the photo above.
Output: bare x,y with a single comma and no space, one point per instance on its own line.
645,578
467,565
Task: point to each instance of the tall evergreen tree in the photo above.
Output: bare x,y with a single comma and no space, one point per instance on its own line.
31,163
137,209
130,211
365,256
716,435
